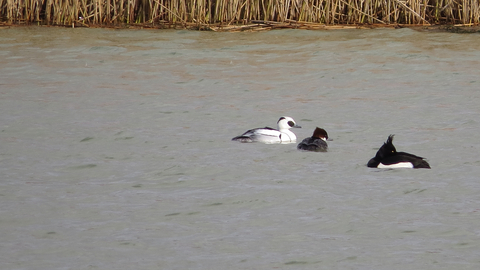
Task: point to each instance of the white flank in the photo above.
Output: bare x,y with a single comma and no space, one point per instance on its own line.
398,165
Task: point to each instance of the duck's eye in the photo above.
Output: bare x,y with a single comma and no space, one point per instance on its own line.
290,123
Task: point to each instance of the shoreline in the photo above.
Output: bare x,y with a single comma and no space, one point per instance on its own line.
257,26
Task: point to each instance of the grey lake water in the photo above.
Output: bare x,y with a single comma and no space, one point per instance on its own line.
116,151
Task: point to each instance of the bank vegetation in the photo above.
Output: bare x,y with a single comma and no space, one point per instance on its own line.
239,14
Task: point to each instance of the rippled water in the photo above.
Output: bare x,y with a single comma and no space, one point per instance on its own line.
116,152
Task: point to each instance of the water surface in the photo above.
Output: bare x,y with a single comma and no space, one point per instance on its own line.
116,152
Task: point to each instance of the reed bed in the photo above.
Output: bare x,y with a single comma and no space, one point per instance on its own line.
239,14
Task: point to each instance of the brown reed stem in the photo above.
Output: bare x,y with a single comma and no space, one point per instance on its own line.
411,10
361,12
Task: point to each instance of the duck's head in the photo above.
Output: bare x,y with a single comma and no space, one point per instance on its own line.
320,133
286,122
387,148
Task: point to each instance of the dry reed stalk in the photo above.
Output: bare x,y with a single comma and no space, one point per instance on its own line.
370,16
412,12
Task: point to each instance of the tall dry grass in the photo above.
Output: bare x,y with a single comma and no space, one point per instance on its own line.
228,12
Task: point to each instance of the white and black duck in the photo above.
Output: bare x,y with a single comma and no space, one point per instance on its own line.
388,157
271,135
